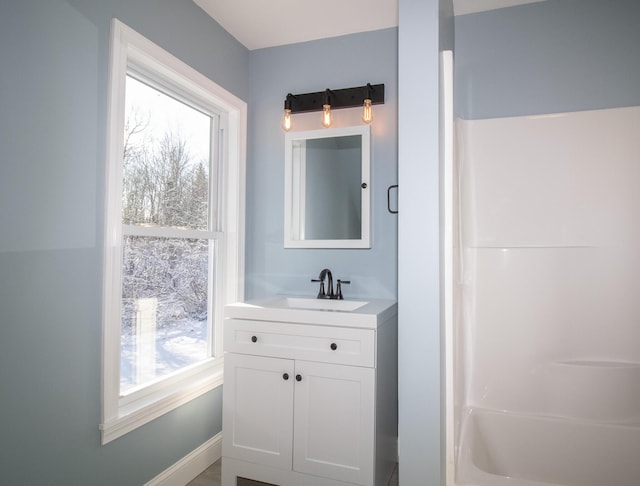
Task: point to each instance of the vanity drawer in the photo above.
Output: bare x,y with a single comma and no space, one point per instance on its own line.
300,341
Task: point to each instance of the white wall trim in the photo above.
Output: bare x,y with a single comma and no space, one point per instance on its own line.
448,195
191,465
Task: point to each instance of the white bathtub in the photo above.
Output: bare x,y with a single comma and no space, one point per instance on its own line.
505,449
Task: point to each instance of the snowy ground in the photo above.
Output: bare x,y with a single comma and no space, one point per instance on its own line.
175,346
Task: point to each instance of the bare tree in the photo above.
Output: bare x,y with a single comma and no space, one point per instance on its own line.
163,186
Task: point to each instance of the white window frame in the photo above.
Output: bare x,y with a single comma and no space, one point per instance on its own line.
131,51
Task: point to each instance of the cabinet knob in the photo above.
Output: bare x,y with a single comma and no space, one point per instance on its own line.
254,339
285,376
334,346
298,377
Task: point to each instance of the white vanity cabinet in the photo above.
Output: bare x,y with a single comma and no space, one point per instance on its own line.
309,404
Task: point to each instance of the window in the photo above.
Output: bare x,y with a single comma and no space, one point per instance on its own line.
174,239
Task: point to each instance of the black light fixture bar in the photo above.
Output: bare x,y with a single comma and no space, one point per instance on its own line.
338,98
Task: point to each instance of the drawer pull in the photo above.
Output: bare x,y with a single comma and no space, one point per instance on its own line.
334,346
254,339
298,377
285,377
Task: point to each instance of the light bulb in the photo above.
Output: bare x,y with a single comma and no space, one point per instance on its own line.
367,111
286,120
326,116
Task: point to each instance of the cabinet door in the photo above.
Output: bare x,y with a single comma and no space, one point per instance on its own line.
334,421
258,409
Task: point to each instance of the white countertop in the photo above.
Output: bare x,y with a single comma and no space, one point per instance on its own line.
366,313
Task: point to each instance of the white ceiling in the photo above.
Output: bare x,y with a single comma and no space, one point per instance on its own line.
260,23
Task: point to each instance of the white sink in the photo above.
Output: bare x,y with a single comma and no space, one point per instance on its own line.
319,304
307,310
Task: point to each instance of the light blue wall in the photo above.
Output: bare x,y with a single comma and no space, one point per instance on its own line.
340,62
426,26
52,135
548,57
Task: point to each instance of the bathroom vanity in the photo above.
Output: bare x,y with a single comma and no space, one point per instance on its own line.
310,392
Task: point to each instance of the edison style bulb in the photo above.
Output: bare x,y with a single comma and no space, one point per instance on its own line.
327,120
367,111
286,120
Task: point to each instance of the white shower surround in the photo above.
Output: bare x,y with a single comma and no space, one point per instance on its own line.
546,319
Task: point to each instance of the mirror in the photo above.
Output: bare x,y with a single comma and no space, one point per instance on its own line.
327,187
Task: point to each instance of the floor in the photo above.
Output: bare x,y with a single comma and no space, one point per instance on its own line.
211,477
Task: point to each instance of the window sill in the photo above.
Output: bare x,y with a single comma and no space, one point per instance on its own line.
135,413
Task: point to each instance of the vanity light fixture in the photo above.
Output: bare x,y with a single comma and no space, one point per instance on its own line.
330,99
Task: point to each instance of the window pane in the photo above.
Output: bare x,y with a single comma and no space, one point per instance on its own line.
167,154
164,307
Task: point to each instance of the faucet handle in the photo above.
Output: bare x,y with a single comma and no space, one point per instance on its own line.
339,295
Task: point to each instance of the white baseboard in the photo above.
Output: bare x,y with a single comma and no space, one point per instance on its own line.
190,465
